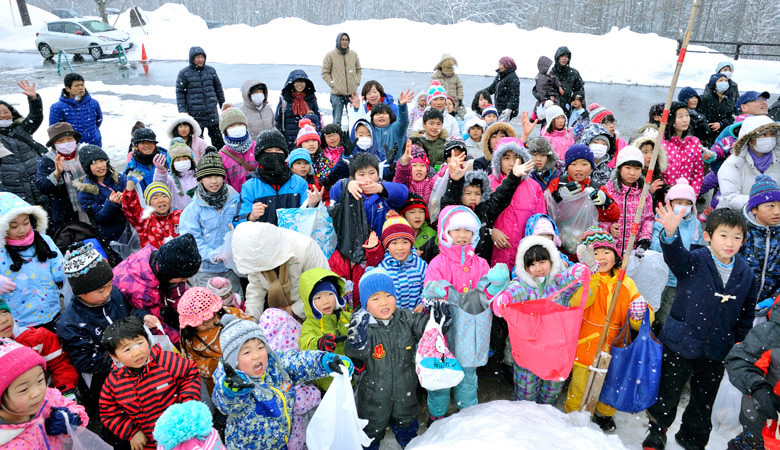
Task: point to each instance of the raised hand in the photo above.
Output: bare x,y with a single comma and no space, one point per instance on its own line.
668,218
27,88
160,162
357,334
407,156
354,99
405,97
315,196
372,241
528,126
520,169
457,171
233,380
59,165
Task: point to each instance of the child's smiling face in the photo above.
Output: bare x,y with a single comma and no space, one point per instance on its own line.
253,358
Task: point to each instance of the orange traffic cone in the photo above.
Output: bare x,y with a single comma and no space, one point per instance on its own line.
143,53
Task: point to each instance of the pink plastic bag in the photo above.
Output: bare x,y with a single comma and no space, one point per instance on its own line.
435,364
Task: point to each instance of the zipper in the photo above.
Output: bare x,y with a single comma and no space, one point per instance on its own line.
766,259
346,74
286,414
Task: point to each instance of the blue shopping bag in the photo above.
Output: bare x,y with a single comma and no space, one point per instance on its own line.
313,222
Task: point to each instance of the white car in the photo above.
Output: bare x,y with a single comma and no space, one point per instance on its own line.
80,36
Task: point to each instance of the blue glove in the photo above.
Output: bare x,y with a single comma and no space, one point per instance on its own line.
765,303
498,277
434,289
337,363
134,176
357,334
55,423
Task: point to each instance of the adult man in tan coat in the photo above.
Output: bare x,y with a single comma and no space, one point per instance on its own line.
341,71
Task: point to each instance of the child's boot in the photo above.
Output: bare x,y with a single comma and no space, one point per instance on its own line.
405,435
656,439
606,423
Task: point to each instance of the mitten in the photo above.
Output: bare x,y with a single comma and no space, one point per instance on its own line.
765,405
434,290
586,255
55,423
641,247
357,334
235,383
637,308
498,277
337,363
765,303
7,285
327,343
567,193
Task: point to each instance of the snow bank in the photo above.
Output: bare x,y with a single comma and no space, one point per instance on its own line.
515,425
12,35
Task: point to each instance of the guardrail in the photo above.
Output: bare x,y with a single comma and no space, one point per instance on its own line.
737,50
121,57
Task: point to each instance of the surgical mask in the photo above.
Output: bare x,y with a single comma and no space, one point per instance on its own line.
237,132
765,144
599,150
364,142
721,86
727,73
182,166
257,98
678,208
6,123
66,148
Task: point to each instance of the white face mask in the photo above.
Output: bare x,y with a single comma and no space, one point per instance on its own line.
66,148
182,166
257,98
599,150
765,144
721,86
678,208
364,142
727,73
237,132
6,123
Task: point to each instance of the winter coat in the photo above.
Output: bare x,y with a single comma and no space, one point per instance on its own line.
198,145
416,112
353,272
451,84
434,148
450,125
258,247
561,140
707,318
427,243
58,204
261,117
407,278
237,174
570,79
83,115
154,230
716,109
199,91
690,233
292,194
364,111
761,251
548,173
376,205
262,417
209,227
391,140
19,153
390,381
738,173
187,180
403,175
133,400
506,91
732,93
32,434
341,70
608,212
285,120
94,200
685,161
146,171
61,372
313,329
628,200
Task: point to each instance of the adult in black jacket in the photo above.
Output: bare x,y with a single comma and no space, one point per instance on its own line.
199,94
570,79
19,152
288,112
506,87
717,108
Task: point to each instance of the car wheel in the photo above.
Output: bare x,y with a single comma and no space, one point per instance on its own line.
95,52
46,51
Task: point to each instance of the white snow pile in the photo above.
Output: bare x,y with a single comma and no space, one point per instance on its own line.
13,36
620,56
515,425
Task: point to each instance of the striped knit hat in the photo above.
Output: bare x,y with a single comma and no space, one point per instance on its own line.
396,227
598,113
764,190
155,188
416,201
436,91
599,238
235,333
209,165
307,132
489,109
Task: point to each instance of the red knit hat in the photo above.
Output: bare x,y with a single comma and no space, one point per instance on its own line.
16,359
396,227
196,306
415,201
307,132
598,113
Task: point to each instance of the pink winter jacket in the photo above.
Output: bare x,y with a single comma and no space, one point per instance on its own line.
403,175
32,434
561,140
236,173
685,161
628,200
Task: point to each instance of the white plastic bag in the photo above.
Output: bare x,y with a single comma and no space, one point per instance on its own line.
161,339
128,243
650,274
434,363
437,192
573,217
335,424
82,439
728,403
224,254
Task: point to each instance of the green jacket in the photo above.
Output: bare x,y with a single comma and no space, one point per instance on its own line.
427,243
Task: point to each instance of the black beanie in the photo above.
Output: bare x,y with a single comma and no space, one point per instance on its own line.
177,258
89,154
270,139
86,269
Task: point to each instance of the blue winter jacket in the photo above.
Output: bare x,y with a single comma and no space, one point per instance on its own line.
199,92
408,276
377,205
84,116
93,197
146,171
285,120
209,227
761,251
392,137
292,194
691,234
707,318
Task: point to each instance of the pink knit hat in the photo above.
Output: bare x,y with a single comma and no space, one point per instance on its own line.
196,306
307,132
544,226
681,190
16,359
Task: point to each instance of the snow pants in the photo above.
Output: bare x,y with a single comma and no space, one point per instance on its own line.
534,389
465,394
579,378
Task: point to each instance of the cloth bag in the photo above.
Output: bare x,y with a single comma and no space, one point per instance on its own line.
634,375
351,225
573,217
469,335
650,274
335,424
435,364
544,334
82,439
313,222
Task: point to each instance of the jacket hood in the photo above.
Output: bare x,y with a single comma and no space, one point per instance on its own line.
248,85
309,279
259,246
686,94
453,218
444,58
531,224
195,51
662,161
761,129
479,176
352,138
417,98
542,146
501,149
15,116
560,52
596,129
11,206
544,64
298,74
491,130
182,118
343,51
281,329
527,243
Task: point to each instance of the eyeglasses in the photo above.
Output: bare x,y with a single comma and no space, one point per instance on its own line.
609,122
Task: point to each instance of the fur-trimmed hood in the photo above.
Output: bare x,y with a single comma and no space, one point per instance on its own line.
525,245
764,124
662,161
501,148
421,133
479,176
444,57
491,130
541,145
86,186
182,118
11,206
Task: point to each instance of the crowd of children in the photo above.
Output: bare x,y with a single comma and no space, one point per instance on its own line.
218,300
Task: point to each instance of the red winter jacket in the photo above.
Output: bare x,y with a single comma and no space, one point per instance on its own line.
155,230
63,375
350,271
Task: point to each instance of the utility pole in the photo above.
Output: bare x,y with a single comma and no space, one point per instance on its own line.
23,13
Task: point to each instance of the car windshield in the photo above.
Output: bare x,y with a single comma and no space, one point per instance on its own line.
97,26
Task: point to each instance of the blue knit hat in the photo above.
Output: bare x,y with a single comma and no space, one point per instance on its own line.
375,280
298,153
325,285
579,151
764,190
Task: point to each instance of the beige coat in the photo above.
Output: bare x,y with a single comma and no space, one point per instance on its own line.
259,118
342,73
451,84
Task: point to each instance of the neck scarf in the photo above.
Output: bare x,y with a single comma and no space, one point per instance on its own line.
217,199
239,145
762,162
146,160
299,106
333,154
25,242
278,286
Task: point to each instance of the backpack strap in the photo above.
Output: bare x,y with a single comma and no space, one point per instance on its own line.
232,155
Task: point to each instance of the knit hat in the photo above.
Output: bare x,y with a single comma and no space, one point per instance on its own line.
307,132
630,153
508,62
155,187
598,113
764,190
4,306
89,153
235,333
222,288
396,227
177,258
86,269
272,138
17,359
179,149
196,306
416,201
210,164
325,285
186,426
232,116
489,109
373,281
551,112
144,135
419,156
436,91
682,190
600,239
298,153
61,129
458,218
578,151
544,225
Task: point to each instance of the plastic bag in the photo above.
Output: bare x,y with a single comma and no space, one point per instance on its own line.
128,243
435,364
469,335
82,439
225,254
335,424
351,225
161,339
728,403
313,222
649,273
573,218
437,192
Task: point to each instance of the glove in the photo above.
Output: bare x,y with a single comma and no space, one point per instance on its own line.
135,176
641,247
567,194
765,303
708,156
637,308
434,290
598,197
586,255
440,311
360,366
235,383
357,334
7,285
55,423
327,343
764,403
337,363
498,277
